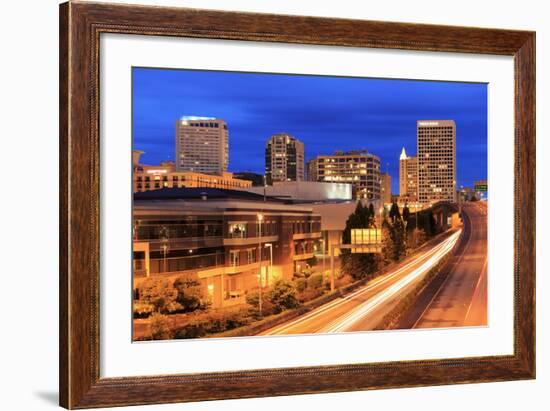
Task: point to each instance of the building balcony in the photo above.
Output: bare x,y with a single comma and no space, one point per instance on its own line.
305,256
250,240
229,270
305,236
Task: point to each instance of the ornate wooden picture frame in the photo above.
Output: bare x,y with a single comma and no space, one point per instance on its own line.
81,25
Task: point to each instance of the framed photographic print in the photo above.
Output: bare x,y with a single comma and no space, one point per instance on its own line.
259,205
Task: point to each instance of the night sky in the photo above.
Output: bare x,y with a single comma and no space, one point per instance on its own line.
326,113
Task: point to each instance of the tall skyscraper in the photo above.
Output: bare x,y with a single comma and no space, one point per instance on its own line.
385,188
202,145
436,148
357,167
284,159
408,177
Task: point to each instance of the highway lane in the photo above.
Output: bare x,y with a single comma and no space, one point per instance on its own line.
365,307
462,298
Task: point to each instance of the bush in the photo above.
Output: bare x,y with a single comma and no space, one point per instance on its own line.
301,284
143,309
203,324
309,294
282,296
315,281
343,280
159,327
189,294
160,293
252,299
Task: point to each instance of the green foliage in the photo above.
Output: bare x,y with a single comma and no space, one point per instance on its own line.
159,327
189,294
143,309
394,246
205,323
312,261
358,265
283,296
406,213
315,281
394,212
301,284
160,293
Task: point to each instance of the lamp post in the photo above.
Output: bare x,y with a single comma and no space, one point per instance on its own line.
260,218
270,246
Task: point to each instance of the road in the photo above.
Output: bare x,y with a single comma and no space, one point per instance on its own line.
364,308
461,300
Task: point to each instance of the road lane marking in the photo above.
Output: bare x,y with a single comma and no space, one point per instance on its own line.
347,321
378,282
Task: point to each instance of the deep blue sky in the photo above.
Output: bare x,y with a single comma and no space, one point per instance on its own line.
326,113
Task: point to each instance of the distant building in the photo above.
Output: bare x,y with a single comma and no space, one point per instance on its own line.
306,191
202,145
436,150
284,159
256,179
154,177
358,167
219,237
385,188
408,177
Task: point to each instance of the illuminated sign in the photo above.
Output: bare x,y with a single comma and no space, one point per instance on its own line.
369,238
428,123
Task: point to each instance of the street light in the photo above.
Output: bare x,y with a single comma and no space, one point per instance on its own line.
270,246
260,219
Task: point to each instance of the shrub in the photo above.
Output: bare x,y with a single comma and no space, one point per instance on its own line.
315,281
143,309
309,294
301,284
252,299
189,294
282,296
160,293
159,327
203,324
343,280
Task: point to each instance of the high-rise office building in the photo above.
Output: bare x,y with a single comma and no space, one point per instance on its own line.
408,177
385,188
202,145
284,158
436,150
358,167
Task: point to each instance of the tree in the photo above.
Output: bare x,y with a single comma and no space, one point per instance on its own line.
160,293
358,265
406,214
394,212
283,296
189,294
372,216
159,327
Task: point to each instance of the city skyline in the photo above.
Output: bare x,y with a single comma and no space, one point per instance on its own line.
374,114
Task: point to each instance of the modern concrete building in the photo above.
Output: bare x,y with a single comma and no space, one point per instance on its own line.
408,177
436,150
358,167
227,239
152,177
385,188
306,191
284,159
202,145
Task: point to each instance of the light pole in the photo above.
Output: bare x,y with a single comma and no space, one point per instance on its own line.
323,255
270,246
260,218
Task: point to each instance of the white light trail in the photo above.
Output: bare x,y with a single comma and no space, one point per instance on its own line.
346,322
375,283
